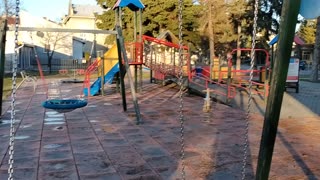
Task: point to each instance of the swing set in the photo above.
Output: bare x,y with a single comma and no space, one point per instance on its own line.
70,104
290,10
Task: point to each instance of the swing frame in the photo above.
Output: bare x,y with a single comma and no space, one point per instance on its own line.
64,104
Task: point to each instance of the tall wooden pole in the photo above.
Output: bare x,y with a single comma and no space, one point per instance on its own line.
140,26
126,64
122,70
288,21
141,54
135,52
3,26
135,19
120,16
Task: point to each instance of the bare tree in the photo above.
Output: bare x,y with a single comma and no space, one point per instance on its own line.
53,41
7,8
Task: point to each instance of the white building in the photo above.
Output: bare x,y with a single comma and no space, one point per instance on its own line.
83,17
64,47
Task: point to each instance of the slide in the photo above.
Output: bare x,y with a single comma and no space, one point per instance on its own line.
111,67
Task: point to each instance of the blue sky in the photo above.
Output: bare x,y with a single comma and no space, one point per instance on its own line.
53,9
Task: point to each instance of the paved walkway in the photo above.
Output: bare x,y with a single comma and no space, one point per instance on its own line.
306,103
100,141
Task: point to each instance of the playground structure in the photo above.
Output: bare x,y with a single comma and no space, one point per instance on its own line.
161,57
164,69
109,67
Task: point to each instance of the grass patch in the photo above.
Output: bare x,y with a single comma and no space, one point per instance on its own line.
7,86
7,81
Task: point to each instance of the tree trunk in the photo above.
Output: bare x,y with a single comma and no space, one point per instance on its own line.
211,40
49,62
316,54
238,64
6,8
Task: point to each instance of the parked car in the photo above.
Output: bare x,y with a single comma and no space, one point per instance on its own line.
302,65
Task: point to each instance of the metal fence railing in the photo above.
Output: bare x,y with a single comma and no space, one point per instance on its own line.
56,65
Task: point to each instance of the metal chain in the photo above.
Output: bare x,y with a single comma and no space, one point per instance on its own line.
13,94
181,117
246,143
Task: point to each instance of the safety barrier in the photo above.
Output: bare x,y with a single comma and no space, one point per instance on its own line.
160,59
93,67
241,80
229,91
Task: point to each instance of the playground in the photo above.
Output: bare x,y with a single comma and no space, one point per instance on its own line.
185,121
100,141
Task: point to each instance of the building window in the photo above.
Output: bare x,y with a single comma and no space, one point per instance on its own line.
306,55
100,53
47,48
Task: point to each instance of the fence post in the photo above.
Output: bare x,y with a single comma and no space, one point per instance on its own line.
150,65
228,80
136,77
102,76
266,84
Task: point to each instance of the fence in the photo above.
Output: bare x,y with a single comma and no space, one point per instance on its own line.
59,64
56,65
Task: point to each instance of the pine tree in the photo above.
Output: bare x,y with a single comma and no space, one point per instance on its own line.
237,10
157,16
268,19
221,30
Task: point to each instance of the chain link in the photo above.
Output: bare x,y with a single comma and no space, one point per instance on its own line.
181,117
246,142
13,94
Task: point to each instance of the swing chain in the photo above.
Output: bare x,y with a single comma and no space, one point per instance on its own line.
246,141
13,94
181,117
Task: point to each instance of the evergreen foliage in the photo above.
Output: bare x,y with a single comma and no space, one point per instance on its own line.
157,16
226,17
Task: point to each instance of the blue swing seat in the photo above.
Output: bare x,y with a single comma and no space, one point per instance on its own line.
64,104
